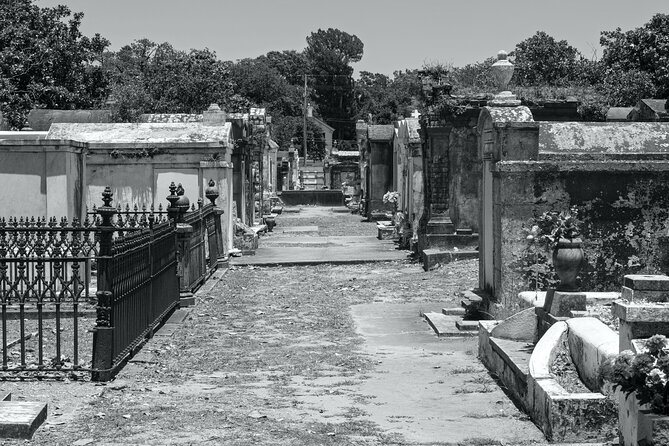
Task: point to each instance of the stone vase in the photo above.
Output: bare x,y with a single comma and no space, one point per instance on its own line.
568,260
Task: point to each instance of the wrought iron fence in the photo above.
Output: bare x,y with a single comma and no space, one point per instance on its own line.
200,239
137,287
44,291
51,301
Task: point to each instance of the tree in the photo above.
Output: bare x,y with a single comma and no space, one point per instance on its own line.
45,61
288,131
541,59
156,78
330,53
264,86
644,49
386,99
291,64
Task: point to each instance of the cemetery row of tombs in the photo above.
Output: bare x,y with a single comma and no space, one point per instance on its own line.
569,221
510,184
573,220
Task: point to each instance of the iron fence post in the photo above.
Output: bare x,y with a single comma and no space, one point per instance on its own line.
179,205
212,194
103,334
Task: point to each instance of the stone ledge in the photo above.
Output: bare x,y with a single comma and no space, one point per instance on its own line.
641,312
647,282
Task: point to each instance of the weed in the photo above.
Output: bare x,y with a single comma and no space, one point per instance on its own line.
465,370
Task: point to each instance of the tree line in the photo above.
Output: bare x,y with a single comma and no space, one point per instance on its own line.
46,62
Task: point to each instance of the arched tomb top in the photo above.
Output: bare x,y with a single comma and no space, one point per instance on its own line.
490,116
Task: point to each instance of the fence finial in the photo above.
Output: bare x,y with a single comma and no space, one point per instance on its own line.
211,192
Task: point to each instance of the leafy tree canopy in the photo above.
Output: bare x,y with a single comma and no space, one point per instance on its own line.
541,59
641,50
46,62
330,53
156,78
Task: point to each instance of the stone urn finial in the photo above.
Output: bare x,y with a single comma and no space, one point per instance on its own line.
502,71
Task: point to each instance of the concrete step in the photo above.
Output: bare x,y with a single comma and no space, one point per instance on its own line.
457,311
447,241
467,325
444,325
440,226
434,257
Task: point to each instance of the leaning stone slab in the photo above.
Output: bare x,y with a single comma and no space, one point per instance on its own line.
20,419
521,326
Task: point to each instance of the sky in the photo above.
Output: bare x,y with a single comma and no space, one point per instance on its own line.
396,35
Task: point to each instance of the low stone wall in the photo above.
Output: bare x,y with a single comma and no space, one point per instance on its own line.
312,197
591,343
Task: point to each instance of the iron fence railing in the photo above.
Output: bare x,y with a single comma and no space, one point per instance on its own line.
45,286
51,301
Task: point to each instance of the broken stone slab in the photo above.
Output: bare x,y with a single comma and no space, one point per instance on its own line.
20,419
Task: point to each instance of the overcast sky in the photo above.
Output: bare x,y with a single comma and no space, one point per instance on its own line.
397,35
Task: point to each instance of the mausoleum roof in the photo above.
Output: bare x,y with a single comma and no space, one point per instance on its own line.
618,113
124,133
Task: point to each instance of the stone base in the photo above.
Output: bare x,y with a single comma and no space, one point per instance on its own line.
186,300
561,303
386,232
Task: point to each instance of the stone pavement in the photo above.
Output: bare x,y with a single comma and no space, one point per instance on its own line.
310,250
291,244
433,390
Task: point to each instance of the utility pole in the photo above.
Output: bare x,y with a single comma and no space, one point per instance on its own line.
304,126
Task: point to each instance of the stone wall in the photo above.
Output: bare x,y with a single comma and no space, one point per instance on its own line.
617,176
41,178
624,209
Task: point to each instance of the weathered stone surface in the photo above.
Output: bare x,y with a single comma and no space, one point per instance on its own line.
637,137
591,343
561,303
641,312
647,282
644,295
121,133
20,419
521,326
